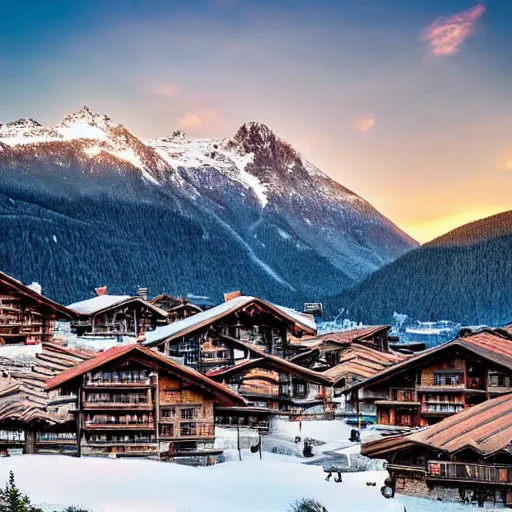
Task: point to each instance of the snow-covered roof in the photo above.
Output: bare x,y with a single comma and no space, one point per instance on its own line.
181,327
101,302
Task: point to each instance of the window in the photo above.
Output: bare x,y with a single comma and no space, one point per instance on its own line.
169,413
448,379
188,414
167,430
299,389
499,381
188,429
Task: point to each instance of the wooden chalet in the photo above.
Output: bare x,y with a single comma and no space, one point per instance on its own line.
330,350
440,382
32,419
176,309
27,316
466,457
275,385
116,315
208,340
133,401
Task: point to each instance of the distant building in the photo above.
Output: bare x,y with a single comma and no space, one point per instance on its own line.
314,308
27,316
176,309
116,315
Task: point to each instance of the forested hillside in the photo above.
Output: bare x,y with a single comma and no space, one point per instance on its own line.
464,276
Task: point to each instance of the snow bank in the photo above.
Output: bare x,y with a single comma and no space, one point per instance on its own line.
253,485
326,431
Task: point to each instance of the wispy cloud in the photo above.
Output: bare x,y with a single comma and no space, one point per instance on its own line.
445,35
166,90
364,124
199,118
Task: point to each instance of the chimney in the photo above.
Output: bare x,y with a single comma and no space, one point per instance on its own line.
102,290
142,292
232,295
36,287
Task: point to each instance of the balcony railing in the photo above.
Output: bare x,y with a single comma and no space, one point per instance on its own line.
470,472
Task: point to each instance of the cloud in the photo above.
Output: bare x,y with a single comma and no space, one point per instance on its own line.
364,124
199,118
166,90
445,35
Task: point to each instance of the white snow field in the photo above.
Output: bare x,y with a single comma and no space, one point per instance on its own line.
253,485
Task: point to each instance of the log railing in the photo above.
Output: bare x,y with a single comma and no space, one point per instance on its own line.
485,473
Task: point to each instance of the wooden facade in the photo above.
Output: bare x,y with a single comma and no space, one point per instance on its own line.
26,316
176,309
464,458
231,332
273,384
350,356
116,315
441,382
132,401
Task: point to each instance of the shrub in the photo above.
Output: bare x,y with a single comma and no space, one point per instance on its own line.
307,505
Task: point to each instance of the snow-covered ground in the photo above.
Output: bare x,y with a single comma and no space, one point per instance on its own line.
250,485
253,485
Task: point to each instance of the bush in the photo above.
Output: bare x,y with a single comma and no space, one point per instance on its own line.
307,505
74,509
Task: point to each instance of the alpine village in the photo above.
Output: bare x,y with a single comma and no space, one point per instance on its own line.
176,370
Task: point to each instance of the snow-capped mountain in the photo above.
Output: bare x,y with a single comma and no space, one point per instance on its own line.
295,233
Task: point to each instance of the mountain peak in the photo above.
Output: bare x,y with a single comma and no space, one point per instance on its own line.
85,116
255,134
24,122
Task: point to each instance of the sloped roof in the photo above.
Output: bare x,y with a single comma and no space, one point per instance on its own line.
489,346
27,292
177,303
273,361
348,337
22,395
485,428
224,395
505,329
205,318
103,302
361,361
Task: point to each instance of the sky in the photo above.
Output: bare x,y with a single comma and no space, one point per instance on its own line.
406,102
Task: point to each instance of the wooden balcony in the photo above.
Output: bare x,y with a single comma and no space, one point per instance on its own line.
111,406
461,472
118,426
397,403
143,383
111,443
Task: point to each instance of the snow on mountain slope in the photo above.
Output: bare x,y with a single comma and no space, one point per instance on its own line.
301,230
97,133
283,192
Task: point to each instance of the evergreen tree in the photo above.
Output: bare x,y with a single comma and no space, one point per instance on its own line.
12,500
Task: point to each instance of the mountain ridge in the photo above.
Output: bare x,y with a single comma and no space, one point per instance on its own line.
301,233
464,276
